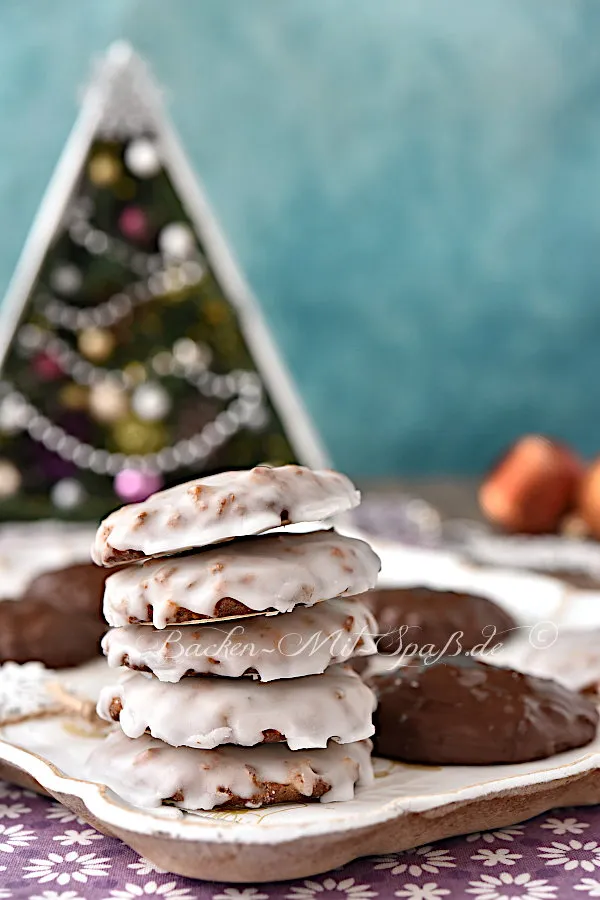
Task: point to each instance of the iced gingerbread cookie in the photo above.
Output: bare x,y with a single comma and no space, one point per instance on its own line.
221,507
146,772
205,713
272,573
303,642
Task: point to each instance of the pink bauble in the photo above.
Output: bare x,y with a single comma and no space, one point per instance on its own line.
47,367
133,486
133,223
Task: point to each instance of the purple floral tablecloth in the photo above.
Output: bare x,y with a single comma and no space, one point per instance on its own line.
47,853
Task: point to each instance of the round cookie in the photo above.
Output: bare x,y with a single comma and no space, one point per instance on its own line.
431,616
262,574
221,507
205,713
147,773
33,630
58,620
78,589
299,643
28,549
465,712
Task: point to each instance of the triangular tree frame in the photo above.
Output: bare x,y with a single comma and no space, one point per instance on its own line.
123,97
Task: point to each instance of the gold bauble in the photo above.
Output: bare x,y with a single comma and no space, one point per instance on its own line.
134,436
135,373
104,169
96,344
108,402
215,311
10,478
74,396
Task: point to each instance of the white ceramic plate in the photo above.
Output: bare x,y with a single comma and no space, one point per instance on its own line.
406,806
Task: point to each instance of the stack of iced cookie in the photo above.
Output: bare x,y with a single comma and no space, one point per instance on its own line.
238,693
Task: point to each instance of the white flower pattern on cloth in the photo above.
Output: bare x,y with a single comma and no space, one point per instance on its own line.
12,836
144,867
347,886
590,885
63,869
415,862
428,891
167,891
13,811
240,894
10,792
572,855
60,813
506,886
57,895
504,834
483,866
83,838
501,856
565,826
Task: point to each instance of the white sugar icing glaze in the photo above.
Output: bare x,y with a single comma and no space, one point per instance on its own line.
276,571
221,507
145,772
573,659
208,712
24,691
299,643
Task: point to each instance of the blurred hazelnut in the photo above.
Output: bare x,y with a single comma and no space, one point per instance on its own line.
588,505
533,486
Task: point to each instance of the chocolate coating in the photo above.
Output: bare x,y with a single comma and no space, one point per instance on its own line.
465,712
33,630
433,616
58,621
78,589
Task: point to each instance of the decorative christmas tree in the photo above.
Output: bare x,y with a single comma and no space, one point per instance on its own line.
133,355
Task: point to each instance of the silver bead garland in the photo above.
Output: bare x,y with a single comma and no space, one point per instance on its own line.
244,389
160,280
239,414
32,339
98,243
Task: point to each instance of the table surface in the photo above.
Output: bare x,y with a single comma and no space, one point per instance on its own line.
47,853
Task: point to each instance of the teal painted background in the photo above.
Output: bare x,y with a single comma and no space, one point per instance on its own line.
412,188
